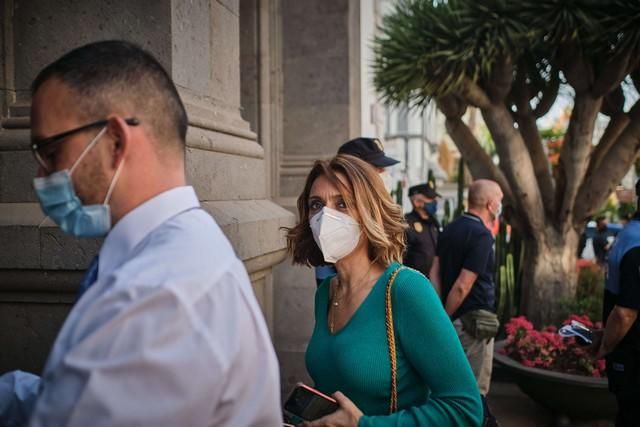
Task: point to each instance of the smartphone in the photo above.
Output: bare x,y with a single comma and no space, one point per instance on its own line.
309,404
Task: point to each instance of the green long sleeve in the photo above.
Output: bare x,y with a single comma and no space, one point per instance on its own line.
436,386
427,337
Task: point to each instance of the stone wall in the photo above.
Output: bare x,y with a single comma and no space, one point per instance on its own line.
270,86
199,44
321,110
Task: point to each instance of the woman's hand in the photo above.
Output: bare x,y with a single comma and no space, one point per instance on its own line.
347,416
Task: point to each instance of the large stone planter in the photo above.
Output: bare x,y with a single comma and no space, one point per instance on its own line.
575,396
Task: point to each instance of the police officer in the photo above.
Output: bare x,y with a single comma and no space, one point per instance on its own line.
371,151
423,231
620,340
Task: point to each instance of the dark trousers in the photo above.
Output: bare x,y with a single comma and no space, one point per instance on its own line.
623,370
628,411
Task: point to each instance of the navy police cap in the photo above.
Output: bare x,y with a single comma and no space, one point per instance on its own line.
368,149
424,189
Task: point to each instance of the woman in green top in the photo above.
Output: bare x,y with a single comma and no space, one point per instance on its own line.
349,219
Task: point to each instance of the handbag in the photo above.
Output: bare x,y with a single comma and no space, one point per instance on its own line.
480,324
488,419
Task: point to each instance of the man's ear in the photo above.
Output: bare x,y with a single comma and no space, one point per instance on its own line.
120,133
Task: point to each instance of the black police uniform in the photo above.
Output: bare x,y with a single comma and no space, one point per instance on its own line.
622,288
422,240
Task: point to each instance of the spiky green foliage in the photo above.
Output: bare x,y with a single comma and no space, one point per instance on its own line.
429,48
510,59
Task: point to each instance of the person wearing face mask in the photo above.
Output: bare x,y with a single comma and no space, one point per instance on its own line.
166,330
462,273
423,231
380,332
371,151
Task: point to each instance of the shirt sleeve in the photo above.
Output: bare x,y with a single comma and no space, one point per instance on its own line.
18,392
427,338
134,365
478,253
629,296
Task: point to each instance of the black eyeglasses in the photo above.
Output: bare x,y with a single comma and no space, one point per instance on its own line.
44,149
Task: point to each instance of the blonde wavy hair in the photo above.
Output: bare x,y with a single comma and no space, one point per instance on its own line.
363,191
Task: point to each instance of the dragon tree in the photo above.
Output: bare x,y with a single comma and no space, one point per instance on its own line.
511,59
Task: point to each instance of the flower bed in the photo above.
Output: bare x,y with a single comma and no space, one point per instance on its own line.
546,349
575,396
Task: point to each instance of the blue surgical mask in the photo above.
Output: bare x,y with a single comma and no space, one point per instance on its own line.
60,202
431,208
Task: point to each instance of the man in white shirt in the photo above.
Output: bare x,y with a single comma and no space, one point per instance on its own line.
168,332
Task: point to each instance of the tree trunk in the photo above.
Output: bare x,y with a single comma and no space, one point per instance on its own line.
549,274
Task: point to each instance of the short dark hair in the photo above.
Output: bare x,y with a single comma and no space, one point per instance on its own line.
107,73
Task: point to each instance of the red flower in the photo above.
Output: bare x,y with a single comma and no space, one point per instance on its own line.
548,350
516,323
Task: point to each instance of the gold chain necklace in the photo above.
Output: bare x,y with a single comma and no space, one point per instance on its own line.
335,302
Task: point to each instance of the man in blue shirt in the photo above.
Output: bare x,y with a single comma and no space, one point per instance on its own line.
462,273
166,330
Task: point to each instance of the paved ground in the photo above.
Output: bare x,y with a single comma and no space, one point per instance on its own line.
513,408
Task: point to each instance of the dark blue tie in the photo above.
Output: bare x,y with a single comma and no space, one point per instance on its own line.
90,277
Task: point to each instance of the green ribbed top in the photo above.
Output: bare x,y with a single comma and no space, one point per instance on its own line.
436,386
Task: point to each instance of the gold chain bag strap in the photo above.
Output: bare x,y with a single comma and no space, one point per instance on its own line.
391,341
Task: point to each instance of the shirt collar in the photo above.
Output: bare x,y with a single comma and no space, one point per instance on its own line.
138,223
473,217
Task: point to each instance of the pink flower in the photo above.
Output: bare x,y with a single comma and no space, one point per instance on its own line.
516,323
548,350
584,319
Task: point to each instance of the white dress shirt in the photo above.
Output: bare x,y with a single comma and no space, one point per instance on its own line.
170,334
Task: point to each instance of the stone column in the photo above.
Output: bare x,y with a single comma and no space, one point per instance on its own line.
198,42
320,42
